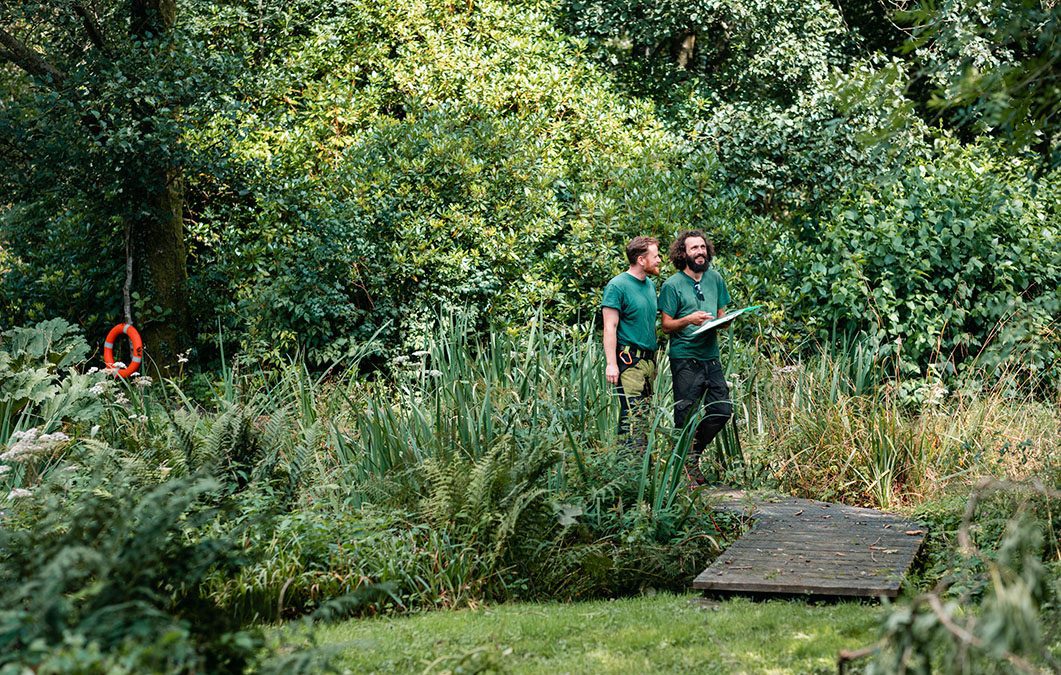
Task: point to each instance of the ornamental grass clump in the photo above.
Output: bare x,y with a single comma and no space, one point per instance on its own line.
497,461
848,425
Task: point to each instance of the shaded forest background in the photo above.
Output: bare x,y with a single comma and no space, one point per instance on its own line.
306,175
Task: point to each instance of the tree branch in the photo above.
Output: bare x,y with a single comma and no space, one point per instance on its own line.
968,638
91,26
29,60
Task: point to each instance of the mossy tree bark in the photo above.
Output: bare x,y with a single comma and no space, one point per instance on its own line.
158,234
160,260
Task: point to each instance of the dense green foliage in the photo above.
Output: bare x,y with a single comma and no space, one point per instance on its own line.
109,578
485,471
164,522
993,65
349,170
482,472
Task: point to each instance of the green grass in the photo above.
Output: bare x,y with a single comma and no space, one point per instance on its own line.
664,633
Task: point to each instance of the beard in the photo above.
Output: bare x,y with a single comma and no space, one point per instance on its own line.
697,267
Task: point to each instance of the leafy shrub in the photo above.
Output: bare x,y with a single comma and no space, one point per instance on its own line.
314,555
108,577
40,392
31,359
613,542
951,260
995,609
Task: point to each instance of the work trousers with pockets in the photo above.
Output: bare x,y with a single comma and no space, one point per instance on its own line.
635,396
701,383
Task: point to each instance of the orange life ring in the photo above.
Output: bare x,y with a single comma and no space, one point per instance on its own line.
134,341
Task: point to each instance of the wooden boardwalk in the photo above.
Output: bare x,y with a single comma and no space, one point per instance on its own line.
806,547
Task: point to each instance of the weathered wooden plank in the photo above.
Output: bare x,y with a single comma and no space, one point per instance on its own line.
835,561
870,546
799,589
836,556
780,576
773,574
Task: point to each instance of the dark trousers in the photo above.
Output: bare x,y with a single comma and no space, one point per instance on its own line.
700,383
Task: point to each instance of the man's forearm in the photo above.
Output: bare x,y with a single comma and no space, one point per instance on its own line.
674,325
610,344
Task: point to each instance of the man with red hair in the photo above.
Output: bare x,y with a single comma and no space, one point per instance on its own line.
630,332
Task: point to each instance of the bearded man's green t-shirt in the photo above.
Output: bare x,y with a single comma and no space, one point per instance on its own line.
679,297
635,300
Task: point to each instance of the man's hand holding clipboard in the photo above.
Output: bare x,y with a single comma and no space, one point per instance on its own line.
730,316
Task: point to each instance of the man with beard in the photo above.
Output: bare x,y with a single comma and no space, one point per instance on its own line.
692,296
630,333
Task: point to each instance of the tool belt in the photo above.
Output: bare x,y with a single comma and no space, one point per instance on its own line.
627,354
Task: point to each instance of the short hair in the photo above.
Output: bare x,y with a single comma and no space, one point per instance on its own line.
677,249
638,247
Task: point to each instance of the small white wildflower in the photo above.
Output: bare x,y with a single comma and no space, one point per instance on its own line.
786,369
143,418
421,352
398,360
118,365
144,381
31,442
120,399
93,370
182,358
136,374
93,431
98,389
27,435
4,468
19,492
434,373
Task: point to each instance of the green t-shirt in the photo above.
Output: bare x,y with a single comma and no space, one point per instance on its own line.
678,298
636,301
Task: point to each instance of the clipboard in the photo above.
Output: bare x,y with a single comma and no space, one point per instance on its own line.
730,316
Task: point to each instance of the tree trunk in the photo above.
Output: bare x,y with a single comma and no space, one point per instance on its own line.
153,17
160,257
160,252
686,47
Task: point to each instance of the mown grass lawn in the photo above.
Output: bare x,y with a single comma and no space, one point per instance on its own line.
664,633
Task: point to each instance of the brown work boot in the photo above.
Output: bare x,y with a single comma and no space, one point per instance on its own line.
694,478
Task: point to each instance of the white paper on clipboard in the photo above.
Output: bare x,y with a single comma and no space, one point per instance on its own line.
730,316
